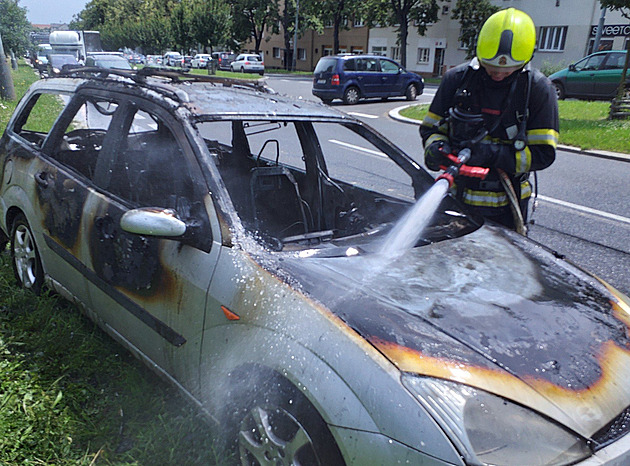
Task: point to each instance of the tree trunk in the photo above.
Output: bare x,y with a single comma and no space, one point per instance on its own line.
404,32
7,91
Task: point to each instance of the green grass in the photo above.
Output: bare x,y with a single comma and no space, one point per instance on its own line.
583,124
70,395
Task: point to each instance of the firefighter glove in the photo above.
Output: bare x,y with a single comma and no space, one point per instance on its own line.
435,155
493,156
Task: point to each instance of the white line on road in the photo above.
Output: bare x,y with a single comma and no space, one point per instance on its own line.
358,148
584,209
364,115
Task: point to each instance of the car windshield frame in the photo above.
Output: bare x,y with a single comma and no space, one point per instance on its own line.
452,220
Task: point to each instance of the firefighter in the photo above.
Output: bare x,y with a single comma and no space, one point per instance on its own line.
504,111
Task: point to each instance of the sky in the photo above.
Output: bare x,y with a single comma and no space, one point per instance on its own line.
51,11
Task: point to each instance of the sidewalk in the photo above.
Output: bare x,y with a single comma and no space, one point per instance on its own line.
395,115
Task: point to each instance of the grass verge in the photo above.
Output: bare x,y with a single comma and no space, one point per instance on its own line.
583,124
70,395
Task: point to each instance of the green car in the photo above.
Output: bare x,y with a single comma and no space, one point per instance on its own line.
594,77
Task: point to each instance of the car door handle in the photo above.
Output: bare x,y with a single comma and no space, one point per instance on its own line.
41,179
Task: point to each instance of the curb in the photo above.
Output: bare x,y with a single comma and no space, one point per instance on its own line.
395,115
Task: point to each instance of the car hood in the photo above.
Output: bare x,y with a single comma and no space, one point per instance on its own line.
491,310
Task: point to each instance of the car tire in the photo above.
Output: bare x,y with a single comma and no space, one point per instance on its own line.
272,417
560,94
411,93
27,266
351,96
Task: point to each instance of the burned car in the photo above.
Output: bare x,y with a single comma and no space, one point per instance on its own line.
237,241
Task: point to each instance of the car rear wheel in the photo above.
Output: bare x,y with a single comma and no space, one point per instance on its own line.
276,424
559,90
411,93
27,266
351,96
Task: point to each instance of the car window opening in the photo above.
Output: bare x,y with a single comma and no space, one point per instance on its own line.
294,185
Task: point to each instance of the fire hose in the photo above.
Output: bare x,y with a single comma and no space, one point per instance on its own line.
458,168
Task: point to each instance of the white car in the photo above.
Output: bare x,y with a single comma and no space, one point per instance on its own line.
173,59
248,63
201,60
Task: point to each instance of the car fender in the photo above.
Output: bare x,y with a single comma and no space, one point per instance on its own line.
279,329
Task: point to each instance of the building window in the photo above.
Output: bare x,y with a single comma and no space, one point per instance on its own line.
379,50
276,52
327,51
552,38
423,56
395,53
329,23
358,22
301,54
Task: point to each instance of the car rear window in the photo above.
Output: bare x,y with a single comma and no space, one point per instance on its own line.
325,65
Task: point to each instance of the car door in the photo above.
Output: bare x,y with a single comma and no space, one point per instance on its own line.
368,75
151,290
391,78
609,75
59,182
581,77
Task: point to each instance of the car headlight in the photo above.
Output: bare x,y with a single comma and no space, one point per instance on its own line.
490,430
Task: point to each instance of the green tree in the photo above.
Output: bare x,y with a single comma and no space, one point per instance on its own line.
472,14
210,22
14,27
253,17
335,12
401,13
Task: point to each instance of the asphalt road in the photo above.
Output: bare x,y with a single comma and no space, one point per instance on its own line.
583,208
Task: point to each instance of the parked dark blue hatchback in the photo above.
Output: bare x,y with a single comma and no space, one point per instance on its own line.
354,77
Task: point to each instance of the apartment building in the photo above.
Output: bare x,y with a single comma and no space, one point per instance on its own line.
566,32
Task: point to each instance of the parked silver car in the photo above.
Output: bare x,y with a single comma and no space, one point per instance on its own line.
238,242
248,63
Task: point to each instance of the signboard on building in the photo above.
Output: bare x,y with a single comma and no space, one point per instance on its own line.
612,30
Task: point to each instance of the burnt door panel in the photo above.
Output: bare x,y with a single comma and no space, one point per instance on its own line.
151,291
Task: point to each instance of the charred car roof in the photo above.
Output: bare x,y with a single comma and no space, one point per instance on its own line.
207,97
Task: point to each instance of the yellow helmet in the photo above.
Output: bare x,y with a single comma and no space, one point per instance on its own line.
507,39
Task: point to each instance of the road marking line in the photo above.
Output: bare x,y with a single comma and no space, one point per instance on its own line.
587,210
358,148
364,115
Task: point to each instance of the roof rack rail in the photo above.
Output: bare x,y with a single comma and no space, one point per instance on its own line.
175,76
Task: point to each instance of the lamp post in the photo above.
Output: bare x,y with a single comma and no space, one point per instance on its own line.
295,35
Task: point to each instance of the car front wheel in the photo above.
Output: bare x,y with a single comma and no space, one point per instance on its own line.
559,90
27,266
351,96
276,424
411,93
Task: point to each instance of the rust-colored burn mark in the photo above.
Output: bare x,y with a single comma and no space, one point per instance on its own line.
585,410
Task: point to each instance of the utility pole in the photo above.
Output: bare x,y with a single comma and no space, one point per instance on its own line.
295,35
600,30
7,91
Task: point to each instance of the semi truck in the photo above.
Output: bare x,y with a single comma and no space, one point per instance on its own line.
78,43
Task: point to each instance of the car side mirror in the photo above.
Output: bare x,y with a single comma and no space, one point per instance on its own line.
153,221
572,67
